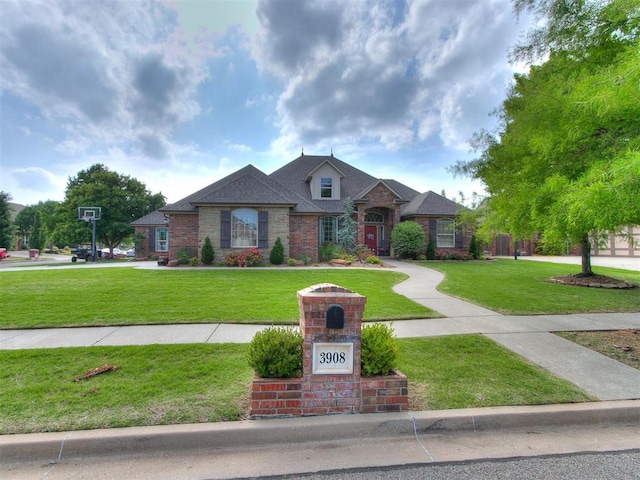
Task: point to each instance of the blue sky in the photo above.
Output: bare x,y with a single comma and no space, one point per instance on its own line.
180,93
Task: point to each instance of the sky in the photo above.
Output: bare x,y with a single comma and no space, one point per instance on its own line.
180,93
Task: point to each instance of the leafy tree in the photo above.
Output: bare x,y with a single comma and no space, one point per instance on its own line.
207,254
276,257
407,239
566,161
37,223
348,228
122,199
6,224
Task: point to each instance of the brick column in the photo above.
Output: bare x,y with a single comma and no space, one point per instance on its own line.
326,393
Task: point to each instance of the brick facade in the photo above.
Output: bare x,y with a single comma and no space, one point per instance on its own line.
303,236
183,234
330,392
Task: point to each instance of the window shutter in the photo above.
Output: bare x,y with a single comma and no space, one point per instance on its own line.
263,229
458,238
225,229
151,233
433,230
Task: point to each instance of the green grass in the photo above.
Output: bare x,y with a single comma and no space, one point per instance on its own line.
170,384
154,385
127,296
521,287
466,371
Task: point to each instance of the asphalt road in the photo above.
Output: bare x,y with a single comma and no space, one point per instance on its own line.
592,466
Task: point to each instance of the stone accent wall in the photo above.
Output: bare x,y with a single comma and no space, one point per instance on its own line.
332,392
209,226
303,236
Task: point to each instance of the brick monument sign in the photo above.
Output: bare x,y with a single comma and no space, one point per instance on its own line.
330,323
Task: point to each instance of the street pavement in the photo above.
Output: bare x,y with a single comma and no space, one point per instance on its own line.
615,384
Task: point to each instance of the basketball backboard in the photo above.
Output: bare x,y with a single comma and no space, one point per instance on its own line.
89,213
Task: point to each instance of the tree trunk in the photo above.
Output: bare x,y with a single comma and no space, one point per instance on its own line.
585,252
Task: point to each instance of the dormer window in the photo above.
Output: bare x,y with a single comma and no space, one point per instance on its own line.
326,187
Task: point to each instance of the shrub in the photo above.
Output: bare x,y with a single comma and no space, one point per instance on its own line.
379,350
276,352
475,248
444,254
276,257
207,254
327,252
193,261
184,255
292,262
373,260
407,240
305,259
246,258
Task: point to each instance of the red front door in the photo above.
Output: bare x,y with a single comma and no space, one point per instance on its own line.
371,237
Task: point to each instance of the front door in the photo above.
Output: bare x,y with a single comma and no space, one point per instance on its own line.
371,237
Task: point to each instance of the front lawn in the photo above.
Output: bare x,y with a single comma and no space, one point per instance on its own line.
522,288
128,296
171,384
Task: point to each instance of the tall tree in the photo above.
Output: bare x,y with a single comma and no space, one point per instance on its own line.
566,161
121,198
6,224
348,229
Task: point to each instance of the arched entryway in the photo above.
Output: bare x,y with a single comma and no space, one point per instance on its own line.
378,223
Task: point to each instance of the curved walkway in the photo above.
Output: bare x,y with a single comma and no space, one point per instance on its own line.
528,336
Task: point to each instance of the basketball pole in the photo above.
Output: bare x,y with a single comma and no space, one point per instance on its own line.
93,239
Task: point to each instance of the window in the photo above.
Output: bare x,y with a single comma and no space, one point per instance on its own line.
445,230
328,230
244,228
162,239
372,217
326,187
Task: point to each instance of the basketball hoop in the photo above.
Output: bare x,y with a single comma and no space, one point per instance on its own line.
86,218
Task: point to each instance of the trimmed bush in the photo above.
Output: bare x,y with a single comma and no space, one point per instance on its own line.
379,350
276,352
475,248
431,249
408,240
276,257
207,254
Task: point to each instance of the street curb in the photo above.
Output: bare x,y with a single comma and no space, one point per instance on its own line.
52,447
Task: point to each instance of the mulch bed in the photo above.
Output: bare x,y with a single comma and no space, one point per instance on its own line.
594,281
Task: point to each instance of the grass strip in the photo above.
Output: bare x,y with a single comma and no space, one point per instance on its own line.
170,384
463,371
127,296
522,288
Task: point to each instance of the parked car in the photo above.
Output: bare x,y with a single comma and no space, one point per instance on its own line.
3,253
131,252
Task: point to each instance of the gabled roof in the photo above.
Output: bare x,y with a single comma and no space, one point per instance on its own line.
153,218
430,203
326,162
402,192
294,176
247,186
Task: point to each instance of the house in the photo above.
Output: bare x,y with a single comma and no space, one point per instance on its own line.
300,203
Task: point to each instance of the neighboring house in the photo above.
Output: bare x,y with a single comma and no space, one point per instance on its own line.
300,203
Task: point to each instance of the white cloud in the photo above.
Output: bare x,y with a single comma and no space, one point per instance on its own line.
375,72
